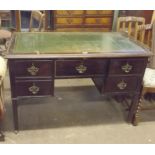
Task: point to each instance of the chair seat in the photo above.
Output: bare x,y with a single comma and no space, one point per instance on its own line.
5,34
149,78
3,67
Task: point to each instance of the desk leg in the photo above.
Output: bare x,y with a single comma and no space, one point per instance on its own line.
133,108
15,114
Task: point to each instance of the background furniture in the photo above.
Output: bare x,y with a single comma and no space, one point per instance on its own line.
2,74
74,20
147,14
78,20
149,77
5,16
4,38
128,24
38,16
34,65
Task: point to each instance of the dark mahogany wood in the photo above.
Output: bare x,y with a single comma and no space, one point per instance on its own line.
45,67
132,84
105,69
45,87
138,66
94,67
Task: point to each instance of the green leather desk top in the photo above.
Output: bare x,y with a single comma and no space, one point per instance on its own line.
74,43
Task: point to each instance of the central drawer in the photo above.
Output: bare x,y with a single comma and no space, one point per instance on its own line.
82,67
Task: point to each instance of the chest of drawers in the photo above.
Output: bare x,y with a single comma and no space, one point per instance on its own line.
71,20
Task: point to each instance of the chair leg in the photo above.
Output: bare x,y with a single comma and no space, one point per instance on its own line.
1,110
136,118
1,115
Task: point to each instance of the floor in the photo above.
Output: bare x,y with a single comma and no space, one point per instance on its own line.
77,114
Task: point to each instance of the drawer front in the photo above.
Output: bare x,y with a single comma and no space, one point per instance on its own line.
81,67
99,21
102,12
69,21
69,12
127,66
33,68
34,88
122,84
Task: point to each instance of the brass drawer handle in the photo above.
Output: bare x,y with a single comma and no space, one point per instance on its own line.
34,89
127,68
122,85
69,21
33,70
81,68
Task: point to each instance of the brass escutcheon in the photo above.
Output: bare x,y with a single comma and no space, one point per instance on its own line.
33,70
81,68
69,21
127,68
34,89
122,85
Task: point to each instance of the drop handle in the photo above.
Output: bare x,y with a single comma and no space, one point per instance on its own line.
33,70
34,89
127,68
122,85
81,69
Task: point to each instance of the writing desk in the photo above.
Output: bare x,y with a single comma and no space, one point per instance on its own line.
115,63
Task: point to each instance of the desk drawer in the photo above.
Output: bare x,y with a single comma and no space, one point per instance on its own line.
127,66
33,68
34,88
81,67
122,84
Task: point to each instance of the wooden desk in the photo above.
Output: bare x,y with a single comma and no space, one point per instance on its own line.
115,63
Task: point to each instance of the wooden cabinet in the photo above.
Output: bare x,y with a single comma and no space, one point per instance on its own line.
82,20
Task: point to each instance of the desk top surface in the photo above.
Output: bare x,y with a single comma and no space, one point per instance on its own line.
58,43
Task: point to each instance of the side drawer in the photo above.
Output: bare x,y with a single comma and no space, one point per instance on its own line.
122,84
34,87
32,68
89,67
127,66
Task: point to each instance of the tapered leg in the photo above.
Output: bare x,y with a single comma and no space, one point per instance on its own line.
15,114
133,108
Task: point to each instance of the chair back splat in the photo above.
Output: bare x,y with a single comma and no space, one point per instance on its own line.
128,24
37,16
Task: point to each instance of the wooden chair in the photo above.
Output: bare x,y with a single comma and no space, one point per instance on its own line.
4,38
3,67
149,76
40,18
128,24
